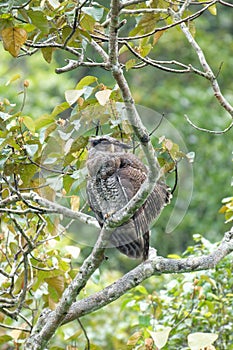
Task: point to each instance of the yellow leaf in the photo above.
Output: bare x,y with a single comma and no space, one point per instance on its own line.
134,338
103,96
213,10
13,39
57,282
157,36
14,78
75,202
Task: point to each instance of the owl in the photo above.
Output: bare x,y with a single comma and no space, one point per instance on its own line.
114,177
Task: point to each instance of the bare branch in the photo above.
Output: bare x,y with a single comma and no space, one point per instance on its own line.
130,2
207,69
183,20
225,3
144,10
14,328
216,132
72,64
47,207
152,267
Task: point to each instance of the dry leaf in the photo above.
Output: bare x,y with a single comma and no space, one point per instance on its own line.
13,39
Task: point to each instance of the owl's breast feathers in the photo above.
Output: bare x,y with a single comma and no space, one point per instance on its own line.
114,178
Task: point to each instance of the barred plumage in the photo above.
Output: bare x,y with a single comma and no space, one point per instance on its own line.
114,178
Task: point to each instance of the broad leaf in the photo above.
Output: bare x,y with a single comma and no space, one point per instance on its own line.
160,338
198,341
72,95
103,96
13,39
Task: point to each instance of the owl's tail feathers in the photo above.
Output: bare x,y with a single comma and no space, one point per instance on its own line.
127,241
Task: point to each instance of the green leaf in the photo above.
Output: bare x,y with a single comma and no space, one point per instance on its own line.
144,320
130,63
87,22
13,78
31,149
5,338
59,109
39,20
141,289
74,336
27,171
43,120
47,53
55,182
29,123
57,283
213,9
88,80
95,12
145,50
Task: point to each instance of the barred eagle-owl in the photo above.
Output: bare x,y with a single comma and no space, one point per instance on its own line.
114,178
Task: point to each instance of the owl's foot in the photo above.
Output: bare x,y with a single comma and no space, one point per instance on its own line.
108,215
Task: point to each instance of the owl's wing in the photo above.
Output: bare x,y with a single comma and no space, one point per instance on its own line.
131,175
132,238
93,202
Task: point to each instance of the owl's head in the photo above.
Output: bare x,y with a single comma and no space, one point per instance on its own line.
107,144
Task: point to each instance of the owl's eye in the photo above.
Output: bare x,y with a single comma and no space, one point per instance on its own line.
95,143
105,142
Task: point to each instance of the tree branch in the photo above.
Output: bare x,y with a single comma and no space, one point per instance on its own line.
47,207
152,267
49,324
182,20
134,119
209,73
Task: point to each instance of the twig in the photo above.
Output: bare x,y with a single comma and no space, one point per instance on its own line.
183,20
216,132
208,71
76,20
225,3
87,347
15,328
47,207
145,10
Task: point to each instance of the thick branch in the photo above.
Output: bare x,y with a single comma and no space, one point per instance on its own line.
49,324
154,266
134,119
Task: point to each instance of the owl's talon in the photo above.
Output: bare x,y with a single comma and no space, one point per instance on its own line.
108,215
